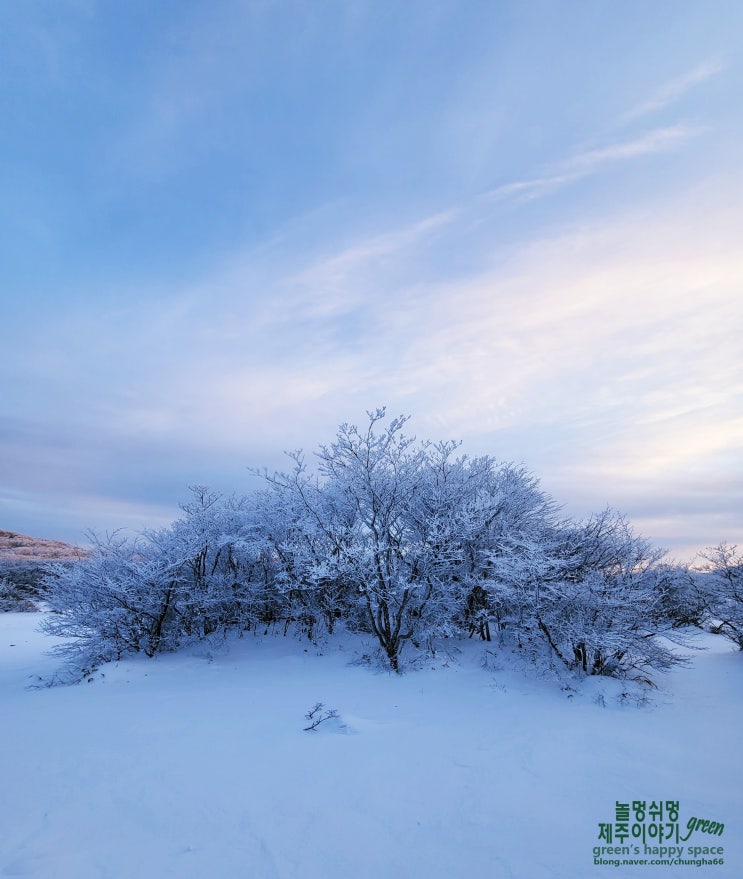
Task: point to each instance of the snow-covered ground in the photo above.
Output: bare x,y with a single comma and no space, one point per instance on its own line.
197,765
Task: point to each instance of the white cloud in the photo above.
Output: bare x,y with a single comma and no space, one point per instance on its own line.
660,140
332,285
592,161
603,355
606,357
675,89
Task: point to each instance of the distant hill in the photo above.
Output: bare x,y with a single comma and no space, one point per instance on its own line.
22,548
22,560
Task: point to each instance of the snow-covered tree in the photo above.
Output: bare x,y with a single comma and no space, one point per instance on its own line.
682,602
307,532
592,592
721,587
204,573
224,578
119,599
399,537
497,507
352,535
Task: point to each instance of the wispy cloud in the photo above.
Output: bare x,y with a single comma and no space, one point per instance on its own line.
608,350
603,355
332,284
592,161
527,190
661,140
675,89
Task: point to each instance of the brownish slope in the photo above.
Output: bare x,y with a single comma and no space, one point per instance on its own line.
21,548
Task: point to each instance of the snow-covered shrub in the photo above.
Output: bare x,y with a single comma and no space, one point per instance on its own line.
21,584
15,598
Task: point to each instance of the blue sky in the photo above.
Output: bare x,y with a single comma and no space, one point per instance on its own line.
227,227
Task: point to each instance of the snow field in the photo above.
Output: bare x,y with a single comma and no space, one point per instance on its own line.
196,764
